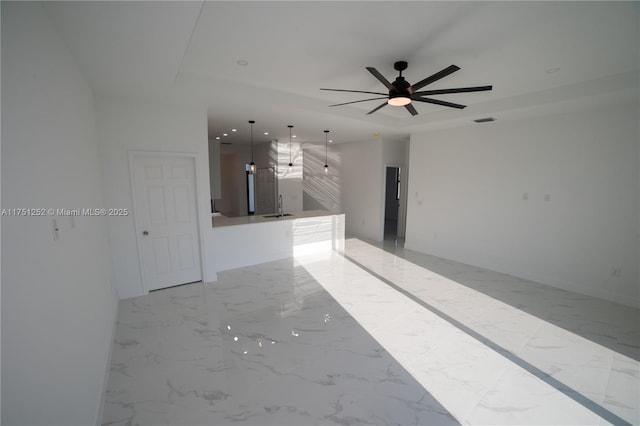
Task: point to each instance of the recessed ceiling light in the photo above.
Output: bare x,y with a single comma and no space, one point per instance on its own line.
234,130
217,137
293,136
330,140
242,62
266,133
225,134
376,134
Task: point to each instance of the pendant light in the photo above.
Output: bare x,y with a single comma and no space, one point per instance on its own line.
252,166
290,162
326,163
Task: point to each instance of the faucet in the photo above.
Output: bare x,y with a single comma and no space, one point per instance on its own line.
280,212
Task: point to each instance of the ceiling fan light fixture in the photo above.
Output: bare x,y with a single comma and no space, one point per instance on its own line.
401,93
399,100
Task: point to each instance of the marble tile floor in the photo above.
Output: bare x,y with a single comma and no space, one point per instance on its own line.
585,348
381,335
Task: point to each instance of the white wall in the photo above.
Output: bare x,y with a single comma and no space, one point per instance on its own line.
361,173
128,124
58,303
468,188
321,191
290,182
361,181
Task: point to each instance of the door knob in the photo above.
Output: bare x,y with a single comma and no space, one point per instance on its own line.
145,232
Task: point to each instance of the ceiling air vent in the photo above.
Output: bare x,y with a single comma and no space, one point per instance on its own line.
485,120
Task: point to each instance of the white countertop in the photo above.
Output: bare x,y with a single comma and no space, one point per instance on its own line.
220,221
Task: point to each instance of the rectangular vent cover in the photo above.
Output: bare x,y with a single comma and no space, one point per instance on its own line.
485,120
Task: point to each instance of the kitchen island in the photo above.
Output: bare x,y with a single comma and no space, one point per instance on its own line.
248,240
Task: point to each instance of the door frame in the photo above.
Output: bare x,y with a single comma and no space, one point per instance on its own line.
194,156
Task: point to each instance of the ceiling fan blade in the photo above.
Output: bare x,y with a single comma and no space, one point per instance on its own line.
456,90
376,108
380,77
411,109
435,77
439,102
355,102
357,91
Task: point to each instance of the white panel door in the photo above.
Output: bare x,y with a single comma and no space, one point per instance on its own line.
165,205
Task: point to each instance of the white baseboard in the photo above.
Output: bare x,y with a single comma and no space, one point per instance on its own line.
627,300
107,367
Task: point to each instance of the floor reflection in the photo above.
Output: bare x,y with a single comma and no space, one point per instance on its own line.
265,345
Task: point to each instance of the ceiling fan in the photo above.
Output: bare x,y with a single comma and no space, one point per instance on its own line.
401,93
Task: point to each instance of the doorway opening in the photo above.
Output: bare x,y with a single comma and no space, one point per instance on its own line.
392,202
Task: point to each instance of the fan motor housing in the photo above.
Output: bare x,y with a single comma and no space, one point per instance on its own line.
400,87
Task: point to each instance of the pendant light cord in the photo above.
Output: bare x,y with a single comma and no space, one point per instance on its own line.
326,157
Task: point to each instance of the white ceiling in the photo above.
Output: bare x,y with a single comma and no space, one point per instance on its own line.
189,52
